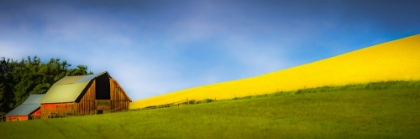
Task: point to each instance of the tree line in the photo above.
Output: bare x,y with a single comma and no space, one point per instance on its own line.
19,78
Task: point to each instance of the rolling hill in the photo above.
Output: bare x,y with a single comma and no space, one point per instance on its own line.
362,111
394,60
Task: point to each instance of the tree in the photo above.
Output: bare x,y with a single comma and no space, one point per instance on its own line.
6,82
80,70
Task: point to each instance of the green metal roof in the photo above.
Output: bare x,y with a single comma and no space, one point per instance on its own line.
68,80
33,99
24,109
30,105
64,92
68,89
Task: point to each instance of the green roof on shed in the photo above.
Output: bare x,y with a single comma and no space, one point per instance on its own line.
33,99
26,108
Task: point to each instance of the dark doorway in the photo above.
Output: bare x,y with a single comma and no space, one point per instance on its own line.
103,87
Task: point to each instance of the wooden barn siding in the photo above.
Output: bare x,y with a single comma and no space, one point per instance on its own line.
17,118
119,99
47,110
87,103
103,105
58,110
36,114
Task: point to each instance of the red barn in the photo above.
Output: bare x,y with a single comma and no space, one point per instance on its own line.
28,110
83,95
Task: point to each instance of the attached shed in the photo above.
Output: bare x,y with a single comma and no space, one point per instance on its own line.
28,110
83,95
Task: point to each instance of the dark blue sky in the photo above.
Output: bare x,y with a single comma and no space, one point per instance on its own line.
157,46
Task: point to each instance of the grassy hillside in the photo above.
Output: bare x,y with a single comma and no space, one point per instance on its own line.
394,60
375,110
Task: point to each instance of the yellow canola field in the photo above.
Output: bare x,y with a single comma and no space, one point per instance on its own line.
394,60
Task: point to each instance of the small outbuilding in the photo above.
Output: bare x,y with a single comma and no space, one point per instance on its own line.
83,95
28,110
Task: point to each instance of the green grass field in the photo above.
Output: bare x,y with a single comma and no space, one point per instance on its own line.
374,110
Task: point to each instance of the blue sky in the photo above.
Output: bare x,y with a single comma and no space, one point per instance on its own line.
154,47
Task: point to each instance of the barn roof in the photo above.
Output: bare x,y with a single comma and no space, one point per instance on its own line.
28,106
69,88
